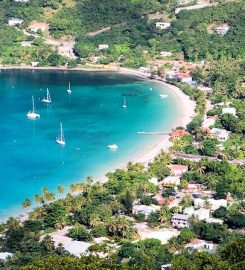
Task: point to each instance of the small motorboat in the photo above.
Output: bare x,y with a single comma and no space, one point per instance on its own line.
112,146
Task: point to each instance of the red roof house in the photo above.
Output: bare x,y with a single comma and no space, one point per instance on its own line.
178,133
178,170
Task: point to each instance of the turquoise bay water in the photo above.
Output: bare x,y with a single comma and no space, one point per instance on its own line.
92,118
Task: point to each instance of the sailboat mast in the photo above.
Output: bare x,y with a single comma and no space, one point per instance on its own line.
33,106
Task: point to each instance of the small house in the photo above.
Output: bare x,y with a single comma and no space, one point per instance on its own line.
177,169
201,245
229,110
144,69
222,29
5,255
35,26
208,121
162,25
165,54
214,204
103,46
145,209
177,133
26,43
15,22
221,134
171,181
184,78
180,221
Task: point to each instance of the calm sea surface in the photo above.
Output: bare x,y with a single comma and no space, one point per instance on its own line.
92,118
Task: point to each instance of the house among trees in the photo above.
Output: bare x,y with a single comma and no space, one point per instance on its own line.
21,1
26,43
208,121
184,78
220,134
222,29
145,209
166,54
162,25
35,26
177,133
15,22
171,181
201,245
184,2
180,221
214,204
177,169
103,46
229,110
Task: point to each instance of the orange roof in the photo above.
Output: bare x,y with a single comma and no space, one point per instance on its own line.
177,167
35,24
196,241
179,133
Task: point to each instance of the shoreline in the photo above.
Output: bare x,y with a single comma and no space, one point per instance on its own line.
185,104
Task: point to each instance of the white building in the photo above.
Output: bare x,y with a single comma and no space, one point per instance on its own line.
145,209
214,204
208,122
154,181
184,2
5,255
21,1
222,29
26,43
201,245
180,221
103,46
162,25
171,181
221,134
229,110
184,77
166,54
66,51
15,21
201,214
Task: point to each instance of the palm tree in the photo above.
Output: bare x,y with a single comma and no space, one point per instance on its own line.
49,197
165,214
13,223
26,203
44,190
60,189
38,199
89,180
37,213
198,167
207,205
94,221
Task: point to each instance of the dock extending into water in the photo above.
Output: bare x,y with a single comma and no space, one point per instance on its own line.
152,133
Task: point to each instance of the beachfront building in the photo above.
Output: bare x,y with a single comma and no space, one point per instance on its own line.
177,133
15,22
145,209
162,25
66,51
222,29
214,204
178,169
184,78
220,134
171,181
180,221
205,89
35,26
229,110
103,47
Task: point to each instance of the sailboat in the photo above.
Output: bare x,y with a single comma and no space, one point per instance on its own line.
69,89
48,98
61,139
31,114
124,103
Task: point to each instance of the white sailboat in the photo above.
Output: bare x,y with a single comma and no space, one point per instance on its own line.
61,138
69,89
48,98
163,96
112,146
124,103
31,114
